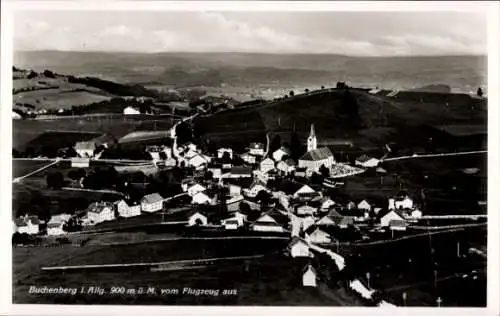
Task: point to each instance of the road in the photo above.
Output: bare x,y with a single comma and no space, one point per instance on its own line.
415,156
55,161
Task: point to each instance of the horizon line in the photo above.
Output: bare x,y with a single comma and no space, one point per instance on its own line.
250,53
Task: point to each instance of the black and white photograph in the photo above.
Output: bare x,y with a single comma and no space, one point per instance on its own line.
227,156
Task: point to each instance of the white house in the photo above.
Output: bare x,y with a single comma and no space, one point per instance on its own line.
310,276
197,219
364,205
28,225
231,224
130,110
55,229
299,248
286,166
267,227
327,204
391,215
256,149
78,162
198,161
221,151
307,222
204,198
126,210
280,153
249,158
305,210
99,212
255,189
267,165
304,191
396,224
400,203
234,190
195,189
318,236
152,203
366,161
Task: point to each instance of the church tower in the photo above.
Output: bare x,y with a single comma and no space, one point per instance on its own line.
312,142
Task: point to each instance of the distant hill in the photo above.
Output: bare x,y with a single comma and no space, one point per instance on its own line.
262,71
441,88
48,90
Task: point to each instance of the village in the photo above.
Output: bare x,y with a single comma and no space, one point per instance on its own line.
270,194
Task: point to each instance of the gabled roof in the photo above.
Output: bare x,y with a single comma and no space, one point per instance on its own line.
267,160
309,267
317,154
152,198
285,150
289,187
398,223
98,207
305,189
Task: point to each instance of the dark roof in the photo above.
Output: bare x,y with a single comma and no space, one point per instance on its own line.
241,170
290,162
317,154
397,222
289,187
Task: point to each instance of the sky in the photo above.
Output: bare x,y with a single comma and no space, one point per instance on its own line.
349,33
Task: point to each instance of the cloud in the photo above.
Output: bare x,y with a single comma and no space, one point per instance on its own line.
217,31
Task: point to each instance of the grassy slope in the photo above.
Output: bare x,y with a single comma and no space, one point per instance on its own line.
379,116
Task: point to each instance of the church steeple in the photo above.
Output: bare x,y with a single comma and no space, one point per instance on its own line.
312,142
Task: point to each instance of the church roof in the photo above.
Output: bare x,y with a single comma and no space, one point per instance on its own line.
317,154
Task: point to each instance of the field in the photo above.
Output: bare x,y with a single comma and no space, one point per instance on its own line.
57,99
58,140
271,280
115,125
22,167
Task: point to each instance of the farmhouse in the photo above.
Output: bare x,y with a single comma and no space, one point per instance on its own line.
196,218
152,203
304,192
256,149
299,248
28,225
99,212
125,209
286,166
130,110
364,205
396,224
391,215
401,201
310,276
55,229
327,203
80,162
318,236
366,161
87,148
195,189
266,165
16,116
280,153
204,198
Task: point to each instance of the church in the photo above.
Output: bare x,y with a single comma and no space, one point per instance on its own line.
315,157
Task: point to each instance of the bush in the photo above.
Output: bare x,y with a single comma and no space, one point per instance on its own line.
32,75
49,74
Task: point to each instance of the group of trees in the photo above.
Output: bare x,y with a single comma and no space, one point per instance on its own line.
45,151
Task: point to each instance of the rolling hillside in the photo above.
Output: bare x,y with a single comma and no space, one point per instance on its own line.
366,119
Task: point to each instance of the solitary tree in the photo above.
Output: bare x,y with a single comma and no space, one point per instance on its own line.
325,172
292,93
322,87
306,90
479,92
